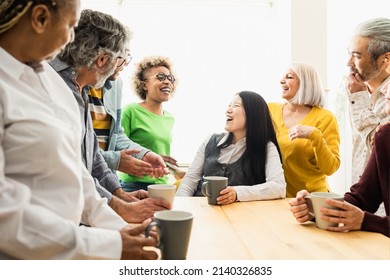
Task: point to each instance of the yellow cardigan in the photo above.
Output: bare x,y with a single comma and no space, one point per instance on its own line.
307,162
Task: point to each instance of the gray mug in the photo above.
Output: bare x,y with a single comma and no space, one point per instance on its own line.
211,187
173,233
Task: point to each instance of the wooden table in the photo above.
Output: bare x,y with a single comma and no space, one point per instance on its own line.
267,230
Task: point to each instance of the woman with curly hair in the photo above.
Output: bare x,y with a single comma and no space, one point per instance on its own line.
147,123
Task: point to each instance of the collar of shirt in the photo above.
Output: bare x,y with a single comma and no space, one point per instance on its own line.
379,91
67,72
233,152
14,67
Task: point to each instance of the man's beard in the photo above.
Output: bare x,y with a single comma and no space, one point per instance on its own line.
370,73
102,77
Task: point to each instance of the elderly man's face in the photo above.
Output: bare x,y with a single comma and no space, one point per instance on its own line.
104,71
360,59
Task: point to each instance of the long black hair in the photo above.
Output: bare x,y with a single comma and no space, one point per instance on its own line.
259,132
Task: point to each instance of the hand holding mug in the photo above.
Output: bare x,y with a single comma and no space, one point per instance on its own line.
212,187
350,216
163,191
227,196
306,206
298,207
133,243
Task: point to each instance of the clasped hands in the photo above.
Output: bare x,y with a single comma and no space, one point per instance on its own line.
151,164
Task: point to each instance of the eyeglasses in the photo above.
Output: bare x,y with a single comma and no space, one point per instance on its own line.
125,61
162,77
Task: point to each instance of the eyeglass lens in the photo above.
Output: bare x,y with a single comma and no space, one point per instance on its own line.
125,61
161,77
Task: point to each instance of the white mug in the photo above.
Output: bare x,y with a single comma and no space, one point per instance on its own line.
317,200
164,191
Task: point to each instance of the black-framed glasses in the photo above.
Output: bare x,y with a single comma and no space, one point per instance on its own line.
125,61
162,77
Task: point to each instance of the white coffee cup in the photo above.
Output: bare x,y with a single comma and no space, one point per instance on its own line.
317,200
164,191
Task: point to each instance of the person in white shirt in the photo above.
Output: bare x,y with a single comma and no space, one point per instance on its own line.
248,154
45,190
369,56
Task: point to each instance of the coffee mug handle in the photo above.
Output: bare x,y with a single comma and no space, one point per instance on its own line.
149,228
309,205
203,188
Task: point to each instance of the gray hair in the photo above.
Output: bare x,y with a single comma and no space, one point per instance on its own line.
310,90
378,31
96,33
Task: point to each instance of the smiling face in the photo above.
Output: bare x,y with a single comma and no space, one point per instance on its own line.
236,119
157,91
290,84
360,59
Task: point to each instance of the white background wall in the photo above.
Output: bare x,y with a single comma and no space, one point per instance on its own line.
219,47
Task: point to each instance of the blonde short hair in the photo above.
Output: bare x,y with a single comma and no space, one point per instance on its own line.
310,90
146,64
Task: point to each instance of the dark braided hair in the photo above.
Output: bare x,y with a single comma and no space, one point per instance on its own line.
11,11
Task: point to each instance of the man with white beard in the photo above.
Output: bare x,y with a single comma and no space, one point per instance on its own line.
100,42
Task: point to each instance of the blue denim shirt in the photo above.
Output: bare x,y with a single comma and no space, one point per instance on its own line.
106,181
118,140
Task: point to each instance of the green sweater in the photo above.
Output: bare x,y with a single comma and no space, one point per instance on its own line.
150,131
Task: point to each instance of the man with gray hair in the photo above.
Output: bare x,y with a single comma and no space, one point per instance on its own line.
100,42
369,52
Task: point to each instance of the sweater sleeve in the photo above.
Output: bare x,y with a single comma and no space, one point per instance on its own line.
326,146
373,187
363,118
274,186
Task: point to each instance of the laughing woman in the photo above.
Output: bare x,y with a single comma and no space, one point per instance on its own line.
248,154
308,134
147,123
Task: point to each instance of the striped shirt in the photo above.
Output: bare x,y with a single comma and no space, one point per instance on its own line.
100,119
